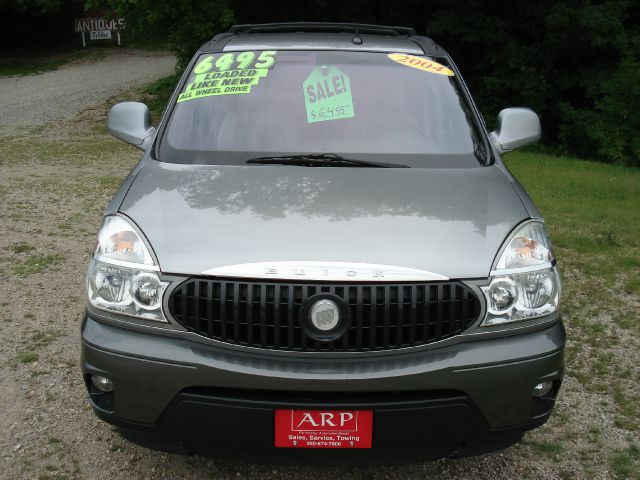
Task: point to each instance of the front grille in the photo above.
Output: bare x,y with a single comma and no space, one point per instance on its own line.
266,314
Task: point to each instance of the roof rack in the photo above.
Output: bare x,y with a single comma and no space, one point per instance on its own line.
322,27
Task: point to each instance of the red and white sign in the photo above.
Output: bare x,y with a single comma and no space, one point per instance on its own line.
324,428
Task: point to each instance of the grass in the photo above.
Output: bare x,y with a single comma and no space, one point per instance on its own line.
628,408
593,216
28,357
44,338
36,264
21,247
548,448
625,463
110,182
591,208
592,212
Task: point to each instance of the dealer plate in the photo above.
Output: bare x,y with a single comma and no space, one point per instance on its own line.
323,428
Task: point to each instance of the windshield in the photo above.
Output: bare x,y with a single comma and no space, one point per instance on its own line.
395,108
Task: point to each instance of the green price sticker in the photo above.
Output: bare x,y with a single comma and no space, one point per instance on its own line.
227,74
327,95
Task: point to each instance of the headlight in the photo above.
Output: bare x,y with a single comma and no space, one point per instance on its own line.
122,276
119,241
524,283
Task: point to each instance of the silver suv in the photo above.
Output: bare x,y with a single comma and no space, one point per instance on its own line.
321,258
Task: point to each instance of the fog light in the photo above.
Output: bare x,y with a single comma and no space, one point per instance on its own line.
102,383
542,389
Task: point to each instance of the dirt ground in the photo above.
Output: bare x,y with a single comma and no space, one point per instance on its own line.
37,100
56,176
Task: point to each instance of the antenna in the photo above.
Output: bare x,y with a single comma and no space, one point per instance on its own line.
357,40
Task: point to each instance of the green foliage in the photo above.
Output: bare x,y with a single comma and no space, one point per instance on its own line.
610,129
36,264
625,463
550,449
21,247
575,62
37,7
25,24
28,357
601,97
187,24
156,95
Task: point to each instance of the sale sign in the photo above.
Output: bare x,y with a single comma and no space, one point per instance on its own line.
323,428
327,95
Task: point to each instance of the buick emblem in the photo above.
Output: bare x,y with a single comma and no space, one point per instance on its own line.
324,315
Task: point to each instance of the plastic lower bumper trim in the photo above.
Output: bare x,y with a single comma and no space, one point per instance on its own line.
239,425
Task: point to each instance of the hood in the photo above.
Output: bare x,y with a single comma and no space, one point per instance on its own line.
199,218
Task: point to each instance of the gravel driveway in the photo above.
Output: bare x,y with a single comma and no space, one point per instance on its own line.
61,94
57,173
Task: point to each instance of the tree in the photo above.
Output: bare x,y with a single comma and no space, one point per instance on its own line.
29,23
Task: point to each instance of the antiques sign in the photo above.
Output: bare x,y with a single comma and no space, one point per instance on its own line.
99,28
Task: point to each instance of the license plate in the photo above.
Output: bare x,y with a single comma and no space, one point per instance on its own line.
324,428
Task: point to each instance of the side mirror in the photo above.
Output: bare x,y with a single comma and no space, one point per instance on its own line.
516,128
131,122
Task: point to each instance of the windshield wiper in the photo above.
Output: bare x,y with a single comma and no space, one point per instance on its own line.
321,160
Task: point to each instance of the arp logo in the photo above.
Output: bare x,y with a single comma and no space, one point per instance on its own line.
324,421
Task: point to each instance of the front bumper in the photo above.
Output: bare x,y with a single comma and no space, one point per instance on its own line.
461,399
